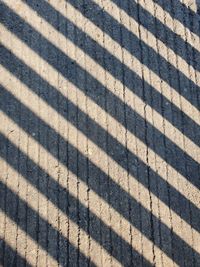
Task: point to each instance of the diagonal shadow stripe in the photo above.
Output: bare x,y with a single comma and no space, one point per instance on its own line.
112,147
77,76
69,208
124,74
180,204
171,153
138,48
13,201
117,196
176,12
161,31
10,257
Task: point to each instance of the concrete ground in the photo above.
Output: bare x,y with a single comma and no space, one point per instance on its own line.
99,133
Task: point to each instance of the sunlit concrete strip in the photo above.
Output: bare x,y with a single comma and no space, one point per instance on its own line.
43,206
33,202
86,195
158,119
13,84
92,67
133,26
3,219
170,131
12,184
178,64
190,4
141,146
32,60
180,29
115,49
93,31
114,215
193,74
66,179
9,231
24,189
10,239
12,235
108,43
72,96
101,210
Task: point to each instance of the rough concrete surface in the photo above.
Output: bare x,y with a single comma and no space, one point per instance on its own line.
99,133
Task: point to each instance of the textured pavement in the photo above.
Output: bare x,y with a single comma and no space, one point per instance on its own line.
99,133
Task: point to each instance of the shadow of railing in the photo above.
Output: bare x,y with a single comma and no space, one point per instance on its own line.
162,31
10,257
119,70
179,11
112,147
137,47
168,241
171,153
116,198
69,207
59,253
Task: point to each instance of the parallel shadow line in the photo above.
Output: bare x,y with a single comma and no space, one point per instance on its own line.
33,60
14,65
20,92
141,32
126,75
138,48
13,200
12,257
115,150
160,30
178,8
99,99
72,203
116,190
56,218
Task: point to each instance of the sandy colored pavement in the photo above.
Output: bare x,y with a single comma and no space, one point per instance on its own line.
99,133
